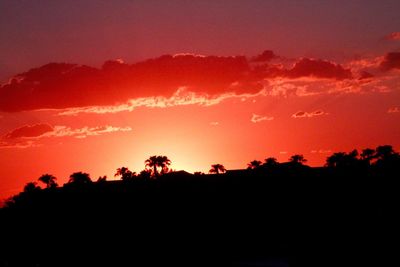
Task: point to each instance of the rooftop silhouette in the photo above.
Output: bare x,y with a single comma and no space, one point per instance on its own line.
266,214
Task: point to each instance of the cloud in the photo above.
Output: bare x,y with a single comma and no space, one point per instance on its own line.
319,69
20,144
394,36
258,118
188,54
61,85
29,131
181,97
214,123
364,75
303,114
122,86
265,56
61,131
393,110
391,61
189,79
29,135
321,151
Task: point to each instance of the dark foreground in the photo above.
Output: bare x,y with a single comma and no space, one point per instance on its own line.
252,218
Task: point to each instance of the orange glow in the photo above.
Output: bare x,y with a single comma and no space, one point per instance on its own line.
197,110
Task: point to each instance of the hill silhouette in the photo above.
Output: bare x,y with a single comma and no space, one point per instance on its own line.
268,214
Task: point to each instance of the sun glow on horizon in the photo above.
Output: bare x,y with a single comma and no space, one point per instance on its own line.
237,85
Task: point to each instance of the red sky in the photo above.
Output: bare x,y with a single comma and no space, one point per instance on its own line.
97,86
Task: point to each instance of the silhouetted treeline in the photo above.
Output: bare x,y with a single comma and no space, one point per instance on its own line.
270,214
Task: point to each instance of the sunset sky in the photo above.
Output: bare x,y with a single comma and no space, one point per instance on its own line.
95,85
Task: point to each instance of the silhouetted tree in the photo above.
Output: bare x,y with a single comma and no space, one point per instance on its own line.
297,159
49,180
386,157
367,153
155,162
217,168
198,173
384,152
102,179
270,162
343,160
144,175
152,164
79,178
31,187
254,164
353,155
125,174
336,160
163,162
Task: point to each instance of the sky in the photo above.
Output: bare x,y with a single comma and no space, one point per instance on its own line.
96,85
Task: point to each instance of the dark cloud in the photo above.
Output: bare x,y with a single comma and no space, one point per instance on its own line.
317,112
391,61
364,75
265,56
62,85
29,131
299,114
59,85
318,68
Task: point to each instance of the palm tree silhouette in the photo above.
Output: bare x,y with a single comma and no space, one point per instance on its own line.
254,164
125,174
155,162
49,180
217,168
297,159
79,178
163,162
152,164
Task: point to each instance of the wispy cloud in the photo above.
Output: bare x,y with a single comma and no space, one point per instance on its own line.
393,110
321,151
258,118
60,131
18,144
181,97
29,131
29,135
304,114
